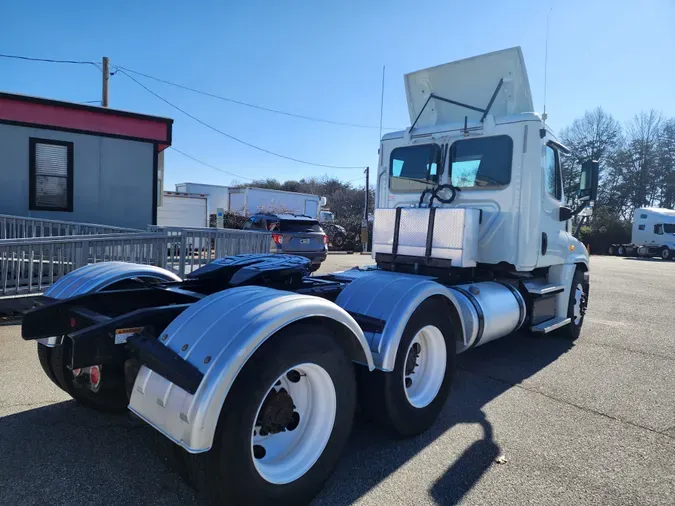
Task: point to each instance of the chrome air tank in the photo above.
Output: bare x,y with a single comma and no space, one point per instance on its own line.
491,310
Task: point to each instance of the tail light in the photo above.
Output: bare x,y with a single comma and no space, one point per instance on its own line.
325,240
278,239
94,375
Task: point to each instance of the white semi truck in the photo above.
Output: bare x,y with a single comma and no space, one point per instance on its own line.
253,368
653,234
247,201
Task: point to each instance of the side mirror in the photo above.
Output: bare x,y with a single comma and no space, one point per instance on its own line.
588,181
565,213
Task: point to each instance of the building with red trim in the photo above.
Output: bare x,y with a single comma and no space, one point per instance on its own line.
67,161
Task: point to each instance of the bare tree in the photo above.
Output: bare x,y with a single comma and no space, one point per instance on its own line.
638,160
666,164
597,136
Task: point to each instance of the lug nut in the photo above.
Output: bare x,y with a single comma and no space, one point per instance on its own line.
259,452
185,347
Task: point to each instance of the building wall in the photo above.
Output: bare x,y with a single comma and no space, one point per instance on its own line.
113,179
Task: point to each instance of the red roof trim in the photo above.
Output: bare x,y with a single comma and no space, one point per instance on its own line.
44,113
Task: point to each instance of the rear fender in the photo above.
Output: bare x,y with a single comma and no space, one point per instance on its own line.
218,335
393,297
96,277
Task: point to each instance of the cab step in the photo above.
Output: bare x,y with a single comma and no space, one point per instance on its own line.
542,288
550,325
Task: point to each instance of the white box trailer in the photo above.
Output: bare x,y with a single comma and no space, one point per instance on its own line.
186,210
254,367
248,201
219,196
652,234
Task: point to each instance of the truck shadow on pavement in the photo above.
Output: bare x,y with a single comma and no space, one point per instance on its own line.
65,454
372,455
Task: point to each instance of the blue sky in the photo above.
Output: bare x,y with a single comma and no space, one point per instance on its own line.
325,61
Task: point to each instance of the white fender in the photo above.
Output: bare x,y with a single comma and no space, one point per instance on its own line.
393,297
218,335
96,277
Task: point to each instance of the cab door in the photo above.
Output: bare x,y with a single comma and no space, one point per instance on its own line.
554,238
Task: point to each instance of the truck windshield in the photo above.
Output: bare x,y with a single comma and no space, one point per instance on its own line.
669,228
482,162
414,168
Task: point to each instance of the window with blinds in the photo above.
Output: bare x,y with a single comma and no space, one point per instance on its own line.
51,175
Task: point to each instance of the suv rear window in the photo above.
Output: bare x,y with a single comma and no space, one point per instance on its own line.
300,226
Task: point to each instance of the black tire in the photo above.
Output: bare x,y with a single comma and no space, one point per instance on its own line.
111,396
226,474
666,253
45,357
572,330
382,397
338,241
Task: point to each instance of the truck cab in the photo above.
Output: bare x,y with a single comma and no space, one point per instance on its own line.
502,159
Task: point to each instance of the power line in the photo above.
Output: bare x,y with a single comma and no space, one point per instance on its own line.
352,180
48,60
194,90
209,165
254,106
231,136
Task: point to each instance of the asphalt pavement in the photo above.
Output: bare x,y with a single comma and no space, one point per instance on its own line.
529,421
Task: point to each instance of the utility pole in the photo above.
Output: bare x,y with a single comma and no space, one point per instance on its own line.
364,223
106,77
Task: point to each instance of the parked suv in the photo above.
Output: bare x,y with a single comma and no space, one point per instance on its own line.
293,234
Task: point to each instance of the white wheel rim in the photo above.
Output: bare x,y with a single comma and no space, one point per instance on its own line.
422,384
290,454
578,295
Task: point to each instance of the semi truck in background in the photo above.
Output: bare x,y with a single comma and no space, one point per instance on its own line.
652,234
252,368
248,201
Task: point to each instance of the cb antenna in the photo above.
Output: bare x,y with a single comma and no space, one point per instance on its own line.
544,116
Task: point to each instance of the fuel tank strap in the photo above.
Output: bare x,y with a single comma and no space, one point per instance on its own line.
479,312
520,300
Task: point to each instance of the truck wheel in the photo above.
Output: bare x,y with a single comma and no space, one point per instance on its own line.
621,251
409,399
576,307
284,423
338,241
612,251
45,357
666,254
100,387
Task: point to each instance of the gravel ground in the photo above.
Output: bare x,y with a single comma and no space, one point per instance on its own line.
590,423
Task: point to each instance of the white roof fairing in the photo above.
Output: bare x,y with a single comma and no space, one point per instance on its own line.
471,81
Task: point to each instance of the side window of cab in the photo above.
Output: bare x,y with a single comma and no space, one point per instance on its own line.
552,175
